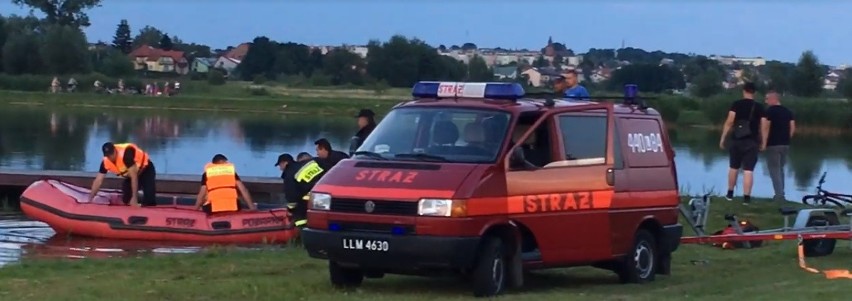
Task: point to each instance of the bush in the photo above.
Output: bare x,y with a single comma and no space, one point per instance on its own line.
257,90
215,78
259,79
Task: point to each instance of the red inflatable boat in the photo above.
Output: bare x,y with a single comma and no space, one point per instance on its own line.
66,209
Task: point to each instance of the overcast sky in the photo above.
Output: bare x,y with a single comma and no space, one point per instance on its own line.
772,29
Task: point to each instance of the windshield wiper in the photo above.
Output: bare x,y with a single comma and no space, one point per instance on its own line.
423,157
369,154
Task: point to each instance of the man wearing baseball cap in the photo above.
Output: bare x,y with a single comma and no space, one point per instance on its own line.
366,124
288,168
128,161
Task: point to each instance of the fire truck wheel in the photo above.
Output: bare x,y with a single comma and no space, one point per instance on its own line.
640,265
344,277
489,274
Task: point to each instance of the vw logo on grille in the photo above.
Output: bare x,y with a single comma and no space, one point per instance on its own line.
369,206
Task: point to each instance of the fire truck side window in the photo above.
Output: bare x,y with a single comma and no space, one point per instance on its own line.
584,137
536,148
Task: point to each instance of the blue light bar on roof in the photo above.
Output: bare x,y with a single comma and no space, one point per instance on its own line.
631,91
510,91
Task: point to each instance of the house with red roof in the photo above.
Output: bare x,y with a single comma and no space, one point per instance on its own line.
153,59
237,53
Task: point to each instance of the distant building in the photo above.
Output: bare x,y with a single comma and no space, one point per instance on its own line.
506,72
157,60
730,60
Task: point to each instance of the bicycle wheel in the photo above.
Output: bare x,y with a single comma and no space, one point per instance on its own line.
811,198
834,201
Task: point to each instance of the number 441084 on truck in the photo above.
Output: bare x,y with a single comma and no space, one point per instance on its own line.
481,180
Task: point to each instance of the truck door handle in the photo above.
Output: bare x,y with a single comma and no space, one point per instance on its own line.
610,177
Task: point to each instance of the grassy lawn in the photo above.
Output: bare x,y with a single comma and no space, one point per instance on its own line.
767,273
235,98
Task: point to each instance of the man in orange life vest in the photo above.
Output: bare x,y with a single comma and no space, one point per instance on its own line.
219,185
129,161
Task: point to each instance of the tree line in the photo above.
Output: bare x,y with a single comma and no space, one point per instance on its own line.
56,45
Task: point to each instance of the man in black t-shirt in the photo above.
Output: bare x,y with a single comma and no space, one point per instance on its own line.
776,127
743,128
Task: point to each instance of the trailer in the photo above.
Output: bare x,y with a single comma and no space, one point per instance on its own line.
818,228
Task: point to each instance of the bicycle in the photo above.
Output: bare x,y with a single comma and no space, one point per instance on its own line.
823,196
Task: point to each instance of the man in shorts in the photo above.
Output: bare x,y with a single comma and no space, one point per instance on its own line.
741,137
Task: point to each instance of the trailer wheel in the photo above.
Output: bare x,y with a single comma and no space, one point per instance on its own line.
819,247
640,265
344,277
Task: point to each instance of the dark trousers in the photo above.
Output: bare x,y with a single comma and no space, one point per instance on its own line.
301,210
147,183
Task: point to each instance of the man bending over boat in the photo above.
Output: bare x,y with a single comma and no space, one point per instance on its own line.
219,185
128,161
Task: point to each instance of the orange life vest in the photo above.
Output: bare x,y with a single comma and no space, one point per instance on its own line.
221,187
118,168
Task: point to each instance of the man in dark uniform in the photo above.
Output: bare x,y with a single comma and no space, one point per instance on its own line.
288,168
366,124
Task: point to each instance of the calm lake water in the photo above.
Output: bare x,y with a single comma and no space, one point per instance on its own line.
182,142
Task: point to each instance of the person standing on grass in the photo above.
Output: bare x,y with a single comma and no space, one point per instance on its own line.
741,137
777,128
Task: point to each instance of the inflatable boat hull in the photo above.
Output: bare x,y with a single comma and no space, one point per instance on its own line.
65,208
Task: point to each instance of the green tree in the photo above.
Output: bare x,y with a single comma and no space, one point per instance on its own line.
707,84
64,50
193,50
650,77
401,62
148,35
166,42
699,65
845,84
558,60
2,39
114,63
21,55
468,47
259,59
344,67
478,70
778,75
808,76
63,12
122,39
540,62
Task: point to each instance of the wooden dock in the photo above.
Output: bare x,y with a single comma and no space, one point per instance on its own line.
263,189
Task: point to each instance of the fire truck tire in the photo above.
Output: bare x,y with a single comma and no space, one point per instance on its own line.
640,265
344,277
819,247
489,273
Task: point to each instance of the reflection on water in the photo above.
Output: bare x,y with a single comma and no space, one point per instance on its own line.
182,142
21,238
703,167
179,143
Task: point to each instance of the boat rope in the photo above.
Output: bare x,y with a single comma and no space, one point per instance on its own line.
829,274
